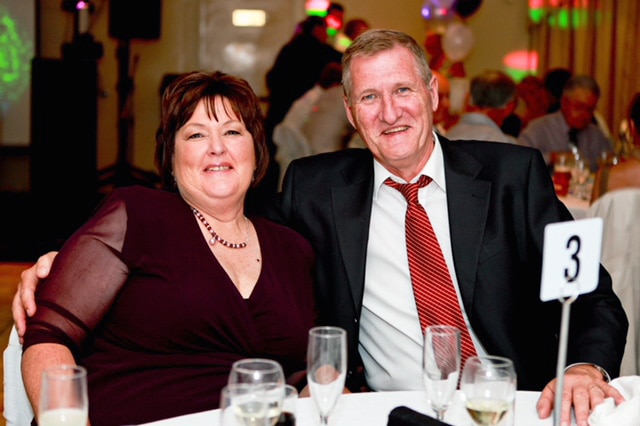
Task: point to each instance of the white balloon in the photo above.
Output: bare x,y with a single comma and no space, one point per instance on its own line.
457,41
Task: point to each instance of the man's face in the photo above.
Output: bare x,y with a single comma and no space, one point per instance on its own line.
392,108
578,107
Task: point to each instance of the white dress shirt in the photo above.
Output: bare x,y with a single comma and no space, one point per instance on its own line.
391,340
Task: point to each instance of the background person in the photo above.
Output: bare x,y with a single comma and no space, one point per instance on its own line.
572,127
492,98
626,173
160,292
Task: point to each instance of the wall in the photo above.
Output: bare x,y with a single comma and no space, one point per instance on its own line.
174,52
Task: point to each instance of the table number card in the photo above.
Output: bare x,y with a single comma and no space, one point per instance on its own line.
571,258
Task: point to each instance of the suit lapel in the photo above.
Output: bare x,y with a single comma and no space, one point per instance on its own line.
352,214
468,205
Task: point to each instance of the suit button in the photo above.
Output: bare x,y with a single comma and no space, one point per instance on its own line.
355,320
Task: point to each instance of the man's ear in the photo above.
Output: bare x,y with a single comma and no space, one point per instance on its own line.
348,111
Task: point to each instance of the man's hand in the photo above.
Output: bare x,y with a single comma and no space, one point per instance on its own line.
24,303
584,388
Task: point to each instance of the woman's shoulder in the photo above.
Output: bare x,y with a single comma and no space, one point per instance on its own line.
136,195
148,204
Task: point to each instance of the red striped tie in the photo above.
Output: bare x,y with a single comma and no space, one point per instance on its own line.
433,289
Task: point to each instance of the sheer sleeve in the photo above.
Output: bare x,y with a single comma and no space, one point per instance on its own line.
84,281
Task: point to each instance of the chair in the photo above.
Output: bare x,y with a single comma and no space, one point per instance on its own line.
620,211
17,408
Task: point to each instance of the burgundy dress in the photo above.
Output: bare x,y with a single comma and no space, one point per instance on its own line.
144,305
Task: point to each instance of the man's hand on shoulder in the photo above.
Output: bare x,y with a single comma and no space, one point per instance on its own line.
24,303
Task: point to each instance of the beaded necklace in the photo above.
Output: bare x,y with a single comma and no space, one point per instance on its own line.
216,238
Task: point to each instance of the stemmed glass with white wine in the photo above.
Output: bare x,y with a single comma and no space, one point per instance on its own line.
63,396
489,388
326,367
263,383
441,366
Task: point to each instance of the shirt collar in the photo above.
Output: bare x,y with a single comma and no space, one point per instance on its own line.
434,169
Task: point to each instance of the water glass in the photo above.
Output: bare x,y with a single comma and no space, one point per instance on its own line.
289,403
63,396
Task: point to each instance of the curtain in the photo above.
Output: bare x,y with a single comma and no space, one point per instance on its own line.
594,37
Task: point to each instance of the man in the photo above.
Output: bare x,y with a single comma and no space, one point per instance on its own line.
492,99
296,69
488,203
572,127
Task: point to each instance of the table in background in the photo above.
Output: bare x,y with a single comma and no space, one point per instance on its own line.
578,207
373,408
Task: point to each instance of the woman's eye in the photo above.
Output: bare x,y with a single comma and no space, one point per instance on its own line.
195,136
232,132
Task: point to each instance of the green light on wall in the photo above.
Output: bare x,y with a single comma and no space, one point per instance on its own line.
15,57
564,18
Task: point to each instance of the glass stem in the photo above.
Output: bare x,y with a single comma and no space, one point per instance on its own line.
324,420
440,414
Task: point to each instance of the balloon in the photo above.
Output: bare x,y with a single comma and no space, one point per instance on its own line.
457,41
466,8
443,4
438,9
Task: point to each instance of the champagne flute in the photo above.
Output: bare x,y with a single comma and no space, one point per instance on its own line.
489,388
267,378
326,367
63,396
441,366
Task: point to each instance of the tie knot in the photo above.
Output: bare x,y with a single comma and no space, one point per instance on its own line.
573,136
409,190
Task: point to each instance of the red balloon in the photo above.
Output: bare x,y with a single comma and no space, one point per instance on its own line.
466,8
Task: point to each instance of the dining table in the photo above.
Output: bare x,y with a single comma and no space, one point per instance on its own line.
579,207
373,408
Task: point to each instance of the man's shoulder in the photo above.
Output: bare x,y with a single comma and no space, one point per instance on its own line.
335,159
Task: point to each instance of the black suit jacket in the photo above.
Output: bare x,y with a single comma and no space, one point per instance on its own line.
500,197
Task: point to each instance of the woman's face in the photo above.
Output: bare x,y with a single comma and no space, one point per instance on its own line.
213,159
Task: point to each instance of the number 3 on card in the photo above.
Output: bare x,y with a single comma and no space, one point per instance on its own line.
571,258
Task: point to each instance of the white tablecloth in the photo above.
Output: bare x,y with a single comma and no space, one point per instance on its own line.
578,207
372,409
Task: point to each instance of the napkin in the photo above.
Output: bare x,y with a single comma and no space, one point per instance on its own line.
625,414
405,416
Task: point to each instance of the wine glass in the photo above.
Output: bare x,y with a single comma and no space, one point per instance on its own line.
489,388
326,367
63,396
267,377
441,366
242,404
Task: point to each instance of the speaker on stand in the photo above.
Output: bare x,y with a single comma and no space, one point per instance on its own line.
129,20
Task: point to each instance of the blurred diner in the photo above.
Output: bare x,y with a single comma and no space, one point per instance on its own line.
572,128
625,173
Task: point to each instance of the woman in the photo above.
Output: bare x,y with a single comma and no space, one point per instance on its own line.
161,291
625,173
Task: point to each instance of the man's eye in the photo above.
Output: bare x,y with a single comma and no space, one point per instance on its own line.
369,98
404,90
